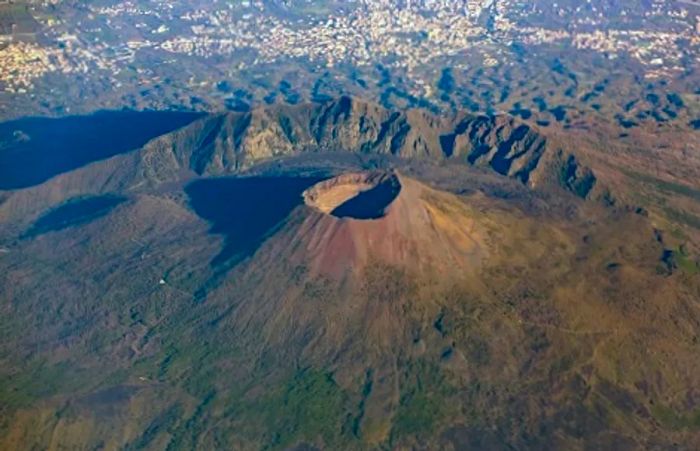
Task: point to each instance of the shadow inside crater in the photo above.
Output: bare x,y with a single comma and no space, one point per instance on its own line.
369,204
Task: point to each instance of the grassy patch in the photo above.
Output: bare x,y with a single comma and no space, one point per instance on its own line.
686,264
418,414
675,420
39,380
679,259
425,400
682,217
663,189
309,407
675,188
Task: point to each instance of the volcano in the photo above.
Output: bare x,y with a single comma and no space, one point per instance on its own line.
386,217
337,276
364,265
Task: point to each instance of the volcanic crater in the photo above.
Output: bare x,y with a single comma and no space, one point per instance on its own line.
362,196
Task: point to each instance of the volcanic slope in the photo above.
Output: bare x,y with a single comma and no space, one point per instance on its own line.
349,309
415,319
430,234
435,319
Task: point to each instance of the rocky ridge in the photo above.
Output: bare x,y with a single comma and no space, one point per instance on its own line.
230,142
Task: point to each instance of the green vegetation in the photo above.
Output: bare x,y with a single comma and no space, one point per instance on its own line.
675,420
308,407
419,413
682,217
664,185
680,259
426,400
686,264
39,379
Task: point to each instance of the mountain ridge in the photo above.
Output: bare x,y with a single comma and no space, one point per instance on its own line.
227,143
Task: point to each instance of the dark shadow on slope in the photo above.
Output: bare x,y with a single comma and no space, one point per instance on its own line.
245,209
75,212
35,149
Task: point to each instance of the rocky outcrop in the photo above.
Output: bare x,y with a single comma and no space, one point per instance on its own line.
499,142
577,178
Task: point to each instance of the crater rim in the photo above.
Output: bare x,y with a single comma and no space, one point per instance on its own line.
354,195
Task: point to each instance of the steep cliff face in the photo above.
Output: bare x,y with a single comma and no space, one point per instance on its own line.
228,142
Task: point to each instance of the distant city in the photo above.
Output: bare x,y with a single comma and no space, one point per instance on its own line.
231,55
